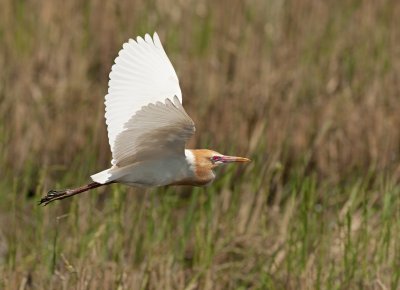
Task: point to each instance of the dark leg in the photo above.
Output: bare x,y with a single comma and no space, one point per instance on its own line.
53,195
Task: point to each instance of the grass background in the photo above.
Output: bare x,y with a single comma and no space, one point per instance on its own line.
308,89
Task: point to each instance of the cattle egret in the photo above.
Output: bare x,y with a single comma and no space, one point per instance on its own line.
148,126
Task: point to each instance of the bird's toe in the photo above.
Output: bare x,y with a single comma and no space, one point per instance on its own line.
51,196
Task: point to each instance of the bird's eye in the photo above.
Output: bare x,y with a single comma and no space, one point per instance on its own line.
216,158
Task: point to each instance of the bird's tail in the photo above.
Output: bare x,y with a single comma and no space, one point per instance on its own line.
109,175
103,176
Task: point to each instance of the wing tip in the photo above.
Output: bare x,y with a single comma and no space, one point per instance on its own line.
139,39
148,39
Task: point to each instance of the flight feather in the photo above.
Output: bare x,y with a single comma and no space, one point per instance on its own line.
142,75
155,131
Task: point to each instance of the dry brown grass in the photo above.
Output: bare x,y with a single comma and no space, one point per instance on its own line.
309,89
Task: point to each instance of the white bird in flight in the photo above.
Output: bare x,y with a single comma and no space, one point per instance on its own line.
148,126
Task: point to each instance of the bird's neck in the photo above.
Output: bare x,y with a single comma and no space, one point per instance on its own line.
201,170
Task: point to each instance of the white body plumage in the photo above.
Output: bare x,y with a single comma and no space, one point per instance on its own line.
152,172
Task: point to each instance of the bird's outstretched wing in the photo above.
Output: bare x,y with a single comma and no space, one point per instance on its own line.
157,130
142,75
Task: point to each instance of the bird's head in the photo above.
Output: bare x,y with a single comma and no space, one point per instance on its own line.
219,159
203,161
211,159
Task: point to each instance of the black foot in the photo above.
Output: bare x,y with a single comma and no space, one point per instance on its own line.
52,195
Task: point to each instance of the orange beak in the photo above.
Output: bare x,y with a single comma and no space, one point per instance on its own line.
230,159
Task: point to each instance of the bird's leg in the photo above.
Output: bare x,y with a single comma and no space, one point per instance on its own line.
53,195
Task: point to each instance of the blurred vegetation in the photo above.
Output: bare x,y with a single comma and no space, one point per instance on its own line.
308,89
